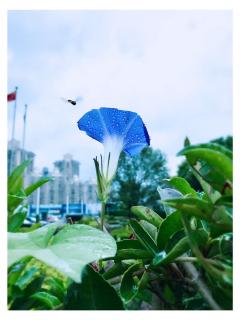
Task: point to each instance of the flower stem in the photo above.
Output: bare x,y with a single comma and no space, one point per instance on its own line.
186,259
103,209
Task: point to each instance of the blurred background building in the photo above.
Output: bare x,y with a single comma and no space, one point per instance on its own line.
17,155
65,192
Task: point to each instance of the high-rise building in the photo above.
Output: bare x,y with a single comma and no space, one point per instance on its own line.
64,186
17,155
68,167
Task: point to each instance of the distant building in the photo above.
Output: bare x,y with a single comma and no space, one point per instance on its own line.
65,185
17,155
68,167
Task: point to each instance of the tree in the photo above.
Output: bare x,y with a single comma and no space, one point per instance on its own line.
184,169
137,180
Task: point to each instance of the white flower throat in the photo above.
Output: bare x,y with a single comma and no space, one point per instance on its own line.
113,145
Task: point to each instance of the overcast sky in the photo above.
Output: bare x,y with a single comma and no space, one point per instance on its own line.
172,67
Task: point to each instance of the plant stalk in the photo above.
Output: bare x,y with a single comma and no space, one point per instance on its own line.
103,209
186,259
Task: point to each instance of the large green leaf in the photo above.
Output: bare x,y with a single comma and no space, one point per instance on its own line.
170,225
147,214
200,237
93,293
69,250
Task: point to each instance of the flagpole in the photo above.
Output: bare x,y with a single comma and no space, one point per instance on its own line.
24,130
14,114
13,130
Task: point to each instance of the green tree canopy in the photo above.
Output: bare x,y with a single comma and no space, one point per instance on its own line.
137,179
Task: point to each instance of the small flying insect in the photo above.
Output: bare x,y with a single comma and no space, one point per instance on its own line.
73,102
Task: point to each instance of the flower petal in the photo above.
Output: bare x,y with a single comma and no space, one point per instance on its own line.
93,125
127,126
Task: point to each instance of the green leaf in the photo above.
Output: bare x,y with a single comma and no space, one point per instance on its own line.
15,180
69,250
216,215
213,248
192,206
16,194
170,225
226,245
55,287
34,286
174,239
144,237
222,218
181,185
15,222
47,299
215,164
199,236
226,201
144,213
150,229
129,289
16,270
209,192
129,244
30,189
94,293
14,201
125,254
116,270
213,146
27,277
167,194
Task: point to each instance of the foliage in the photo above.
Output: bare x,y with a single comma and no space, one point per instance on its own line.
32,285
185,260
17,194
67,248
184,169
93,293
178,261
137,180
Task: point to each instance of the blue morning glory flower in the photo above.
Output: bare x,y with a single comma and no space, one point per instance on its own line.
118,130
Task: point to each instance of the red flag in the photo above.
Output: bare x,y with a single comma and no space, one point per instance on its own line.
11,96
